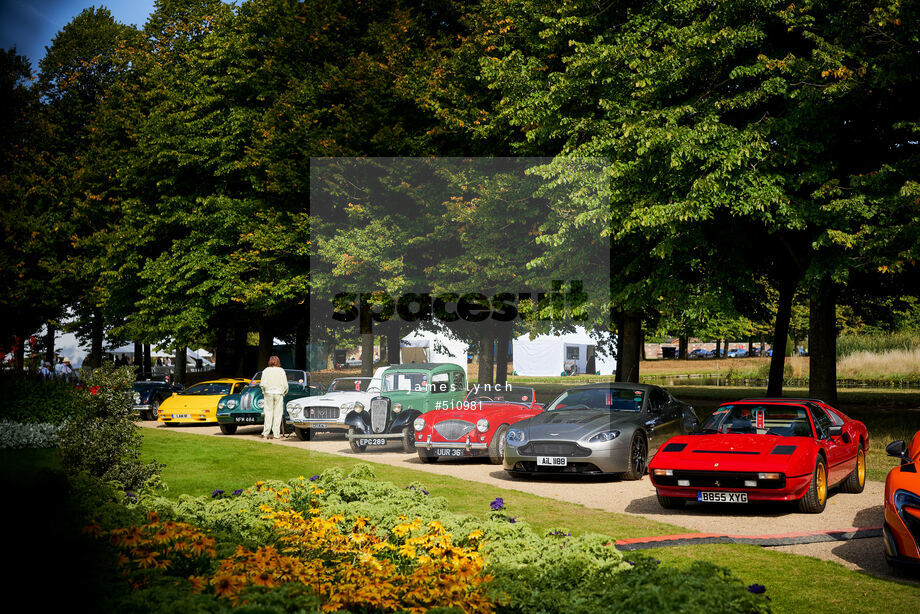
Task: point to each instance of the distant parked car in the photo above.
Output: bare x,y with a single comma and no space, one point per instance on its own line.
737,353
701,353
902,505
475,427
199,402
764,450
327,412
596,429
149,394
409,390
246,407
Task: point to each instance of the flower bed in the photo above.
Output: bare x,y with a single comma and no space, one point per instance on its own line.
351,542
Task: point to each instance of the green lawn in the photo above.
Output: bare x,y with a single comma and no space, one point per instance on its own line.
800,583
198,465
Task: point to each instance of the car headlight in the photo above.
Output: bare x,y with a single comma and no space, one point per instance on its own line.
260,403
358,406
231,404
294,410
516,437
419,424
397,407
221,405
482,425
604,436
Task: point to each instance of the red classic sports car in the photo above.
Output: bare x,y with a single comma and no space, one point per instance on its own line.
475,427
902,505
764,450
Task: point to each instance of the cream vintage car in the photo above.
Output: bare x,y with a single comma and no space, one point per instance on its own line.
327,412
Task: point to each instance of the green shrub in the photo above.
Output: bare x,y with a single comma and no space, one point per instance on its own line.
30,400
102,439
877,343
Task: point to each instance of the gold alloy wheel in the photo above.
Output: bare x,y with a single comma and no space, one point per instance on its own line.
821,484
861,466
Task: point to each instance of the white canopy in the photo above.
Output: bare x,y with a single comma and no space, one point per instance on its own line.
426,346
546,355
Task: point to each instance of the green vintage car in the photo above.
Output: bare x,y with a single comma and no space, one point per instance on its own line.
407,391
246,408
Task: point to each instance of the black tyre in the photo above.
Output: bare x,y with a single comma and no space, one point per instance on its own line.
815,498
154,410
497,445
856,481
638,458
670,503
408,439
228,429
426,457
353,443
303,434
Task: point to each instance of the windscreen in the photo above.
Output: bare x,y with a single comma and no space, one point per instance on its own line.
755,419
610,399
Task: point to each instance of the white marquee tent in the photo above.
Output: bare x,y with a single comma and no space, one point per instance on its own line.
546,355
426,346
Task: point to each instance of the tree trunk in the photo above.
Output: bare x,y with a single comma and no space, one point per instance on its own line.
718,348
822,343
148,366
683,343
750,346
486,349
179,367
393,338
780,333
49,344
629,348
367,343
300,347
266,342
763,345
501,356
238,352
19,353
97,333
138,360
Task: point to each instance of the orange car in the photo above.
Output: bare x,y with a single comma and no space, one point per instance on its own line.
902,505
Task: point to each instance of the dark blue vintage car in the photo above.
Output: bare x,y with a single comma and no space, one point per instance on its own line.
149,394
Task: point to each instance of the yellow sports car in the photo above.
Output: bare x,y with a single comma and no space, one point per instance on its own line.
198,403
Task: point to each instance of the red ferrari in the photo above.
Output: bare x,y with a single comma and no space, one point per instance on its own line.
475,427
764,450
902,505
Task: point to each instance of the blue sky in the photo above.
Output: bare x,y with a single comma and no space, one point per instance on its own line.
29,25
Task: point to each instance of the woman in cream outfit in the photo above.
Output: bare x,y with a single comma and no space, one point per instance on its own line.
274,386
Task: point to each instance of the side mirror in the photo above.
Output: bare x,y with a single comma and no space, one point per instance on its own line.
835,431
896,449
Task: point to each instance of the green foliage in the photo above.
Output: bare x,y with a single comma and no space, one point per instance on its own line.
34,400
236,517
877,343
102,439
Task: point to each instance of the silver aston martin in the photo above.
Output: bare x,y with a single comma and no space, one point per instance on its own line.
597,429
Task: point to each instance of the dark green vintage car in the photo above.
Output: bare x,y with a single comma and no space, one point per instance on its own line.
407,391
247,407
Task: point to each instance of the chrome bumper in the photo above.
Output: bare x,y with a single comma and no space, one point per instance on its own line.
451,445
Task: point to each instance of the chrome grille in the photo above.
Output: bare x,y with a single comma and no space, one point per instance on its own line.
451,430
324,413
379,410
245,401
553,448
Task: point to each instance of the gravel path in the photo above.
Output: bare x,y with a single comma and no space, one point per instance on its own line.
844,511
